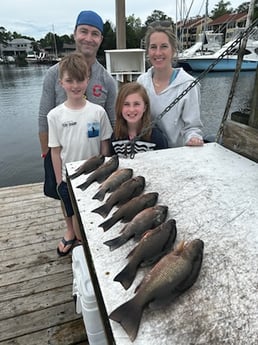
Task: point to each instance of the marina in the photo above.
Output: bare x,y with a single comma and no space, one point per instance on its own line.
199,61
210,193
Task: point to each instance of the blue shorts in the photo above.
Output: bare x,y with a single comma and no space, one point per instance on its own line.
63,193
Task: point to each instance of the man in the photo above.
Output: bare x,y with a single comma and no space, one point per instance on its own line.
101,86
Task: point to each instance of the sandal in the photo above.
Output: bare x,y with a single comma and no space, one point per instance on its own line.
66,243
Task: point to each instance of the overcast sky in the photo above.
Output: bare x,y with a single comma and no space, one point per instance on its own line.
37,18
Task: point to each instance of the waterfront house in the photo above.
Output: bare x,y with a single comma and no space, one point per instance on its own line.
16,47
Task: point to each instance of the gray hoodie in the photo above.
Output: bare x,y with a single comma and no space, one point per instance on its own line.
101,90
183,121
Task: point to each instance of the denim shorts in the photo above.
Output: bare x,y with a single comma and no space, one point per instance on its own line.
63,193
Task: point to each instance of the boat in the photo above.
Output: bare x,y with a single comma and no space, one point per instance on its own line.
208,43
200,61
32,58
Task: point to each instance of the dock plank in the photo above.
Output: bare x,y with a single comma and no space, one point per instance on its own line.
36,301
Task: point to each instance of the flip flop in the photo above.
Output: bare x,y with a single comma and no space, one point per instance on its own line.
66,243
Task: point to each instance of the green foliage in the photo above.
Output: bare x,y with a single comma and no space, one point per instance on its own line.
157,16
109,41
221,8
5,36
133,32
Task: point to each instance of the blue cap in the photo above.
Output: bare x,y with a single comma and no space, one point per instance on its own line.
90,18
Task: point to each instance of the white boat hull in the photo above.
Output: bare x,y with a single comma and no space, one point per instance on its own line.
227,64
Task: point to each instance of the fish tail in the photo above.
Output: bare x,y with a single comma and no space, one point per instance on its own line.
116,242
100,195
102,210
74,175
84,185
126,276
129,316
108,224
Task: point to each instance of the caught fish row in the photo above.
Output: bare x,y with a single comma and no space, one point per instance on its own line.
172,271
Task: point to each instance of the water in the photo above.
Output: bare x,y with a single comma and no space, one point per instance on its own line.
20,91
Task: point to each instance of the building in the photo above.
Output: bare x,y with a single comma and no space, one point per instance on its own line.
227,24
188,31
17,46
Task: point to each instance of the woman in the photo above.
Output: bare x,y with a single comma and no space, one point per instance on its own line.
133,122
181,124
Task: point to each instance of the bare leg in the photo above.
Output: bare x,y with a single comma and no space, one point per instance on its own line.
76,228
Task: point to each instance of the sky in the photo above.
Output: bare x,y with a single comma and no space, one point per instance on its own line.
36,19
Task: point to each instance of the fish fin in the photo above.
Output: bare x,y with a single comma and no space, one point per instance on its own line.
126,276
108,223
163,302
129,316
116,242
179,248
153,260
100,195
102,210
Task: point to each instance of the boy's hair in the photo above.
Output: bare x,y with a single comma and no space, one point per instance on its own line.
75,65
121,131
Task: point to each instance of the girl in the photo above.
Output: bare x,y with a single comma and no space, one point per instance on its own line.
133,131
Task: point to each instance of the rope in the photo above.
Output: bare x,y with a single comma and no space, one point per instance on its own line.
237,41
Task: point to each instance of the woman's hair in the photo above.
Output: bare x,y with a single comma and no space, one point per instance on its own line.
121,131
75,65
166,30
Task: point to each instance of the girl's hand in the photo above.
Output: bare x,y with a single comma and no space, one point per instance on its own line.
194,141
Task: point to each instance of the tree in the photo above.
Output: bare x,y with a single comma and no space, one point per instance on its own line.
5,36
245,6
109,41
157,15
133,32
242,8
221,8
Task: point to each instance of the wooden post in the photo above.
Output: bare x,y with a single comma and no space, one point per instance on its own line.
120,25
253,120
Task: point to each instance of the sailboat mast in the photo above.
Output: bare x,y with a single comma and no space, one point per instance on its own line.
54,39
206,16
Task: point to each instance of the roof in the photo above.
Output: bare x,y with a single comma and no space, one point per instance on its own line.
20,41
229,17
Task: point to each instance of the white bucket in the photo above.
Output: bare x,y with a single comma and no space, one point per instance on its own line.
85,298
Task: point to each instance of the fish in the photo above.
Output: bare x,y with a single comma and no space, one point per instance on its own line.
172,275
154,244
113,182
124,193
88,166
101,173
126,212
146,219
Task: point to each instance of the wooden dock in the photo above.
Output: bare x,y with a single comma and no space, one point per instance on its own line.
36,300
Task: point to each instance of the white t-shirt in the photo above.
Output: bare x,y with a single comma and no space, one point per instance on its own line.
78,132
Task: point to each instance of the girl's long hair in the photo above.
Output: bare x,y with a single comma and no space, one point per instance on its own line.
121,131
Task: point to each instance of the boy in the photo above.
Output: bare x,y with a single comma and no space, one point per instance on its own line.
78,129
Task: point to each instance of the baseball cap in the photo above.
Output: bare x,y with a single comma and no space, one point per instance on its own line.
90,18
